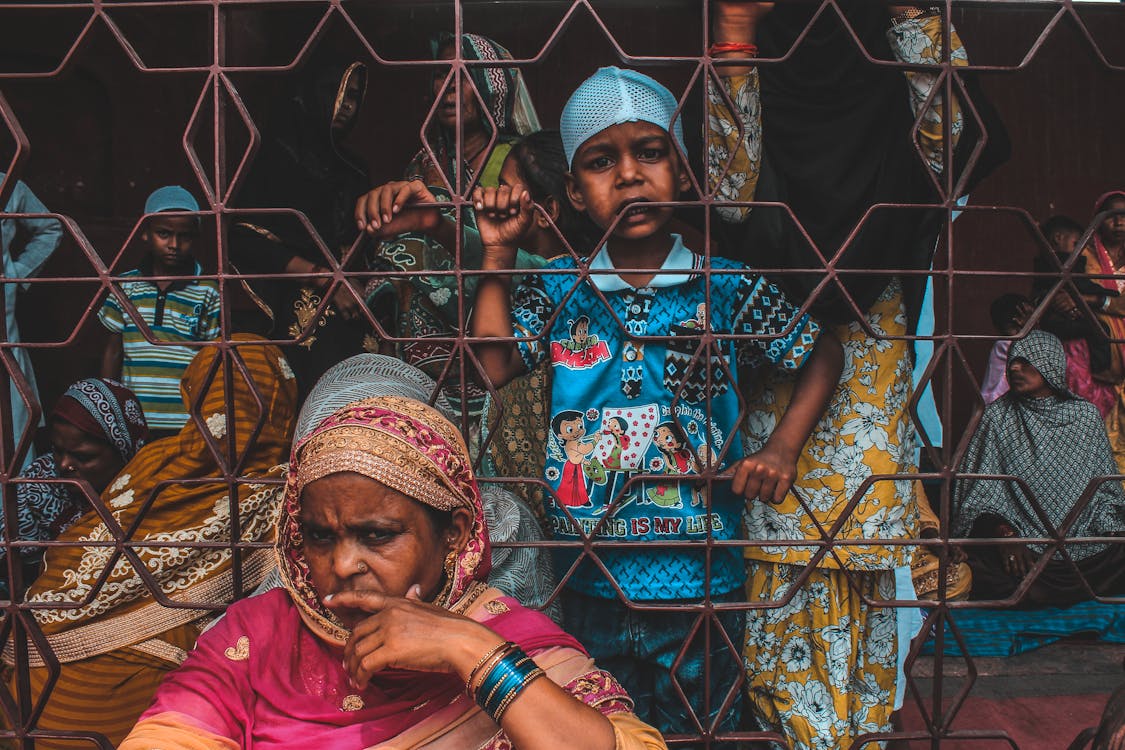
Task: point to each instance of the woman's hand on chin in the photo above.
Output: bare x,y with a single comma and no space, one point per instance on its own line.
408,633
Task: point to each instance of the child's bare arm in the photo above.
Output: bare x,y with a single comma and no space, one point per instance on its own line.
503,216
770,473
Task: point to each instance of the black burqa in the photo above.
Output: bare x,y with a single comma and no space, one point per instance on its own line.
301,165
836,141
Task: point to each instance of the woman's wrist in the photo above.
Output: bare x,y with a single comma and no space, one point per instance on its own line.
498,257
473,648
734,32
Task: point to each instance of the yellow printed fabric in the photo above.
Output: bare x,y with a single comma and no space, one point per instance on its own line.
918,41
821,669
734,138
866,432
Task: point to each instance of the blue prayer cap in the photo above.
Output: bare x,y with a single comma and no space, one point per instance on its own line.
170,198
613,96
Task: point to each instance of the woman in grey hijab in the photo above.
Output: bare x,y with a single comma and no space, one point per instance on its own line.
1055,444
523,573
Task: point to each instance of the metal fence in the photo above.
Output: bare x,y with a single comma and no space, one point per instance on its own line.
208,71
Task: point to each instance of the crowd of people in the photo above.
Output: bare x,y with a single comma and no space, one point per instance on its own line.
564,359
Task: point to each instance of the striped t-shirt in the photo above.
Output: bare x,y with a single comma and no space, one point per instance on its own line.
188,310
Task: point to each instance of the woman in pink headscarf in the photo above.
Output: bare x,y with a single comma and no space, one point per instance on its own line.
1106,254
385,635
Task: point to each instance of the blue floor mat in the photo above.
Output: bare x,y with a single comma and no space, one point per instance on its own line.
992,632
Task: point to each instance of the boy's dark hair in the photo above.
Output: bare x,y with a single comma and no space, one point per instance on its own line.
1004,308
542,164
1060,223
580,319
565,416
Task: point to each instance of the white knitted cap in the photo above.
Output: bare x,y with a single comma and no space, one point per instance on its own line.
613,96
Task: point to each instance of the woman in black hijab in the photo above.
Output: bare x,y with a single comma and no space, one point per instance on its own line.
304,167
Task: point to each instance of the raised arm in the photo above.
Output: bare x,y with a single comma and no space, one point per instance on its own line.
503,216
738,132
918,41
410,634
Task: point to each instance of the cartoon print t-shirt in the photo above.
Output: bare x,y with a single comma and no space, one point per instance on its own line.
631,417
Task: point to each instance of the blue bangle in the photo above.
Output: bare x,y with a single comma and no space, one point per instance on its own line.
502,708
505,680
510,683
494,675
514,666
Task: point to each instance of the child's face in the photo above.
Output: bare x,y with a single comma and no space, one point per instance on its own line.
170,239
572,429
1064,242
627,164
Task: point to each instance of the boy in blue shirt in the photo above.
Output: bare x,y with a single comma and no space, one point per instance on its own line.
645,416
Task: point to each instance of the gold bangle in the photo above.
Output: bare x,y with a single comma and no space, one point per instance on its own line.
499,650
491,664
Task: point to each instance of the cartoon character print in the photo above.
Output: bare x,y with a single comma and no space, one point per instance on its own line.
679,460
699,322
686,370
582,350
626,434
568,430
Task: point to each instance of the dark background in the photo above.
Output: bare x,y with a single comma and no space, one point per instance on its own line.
103,133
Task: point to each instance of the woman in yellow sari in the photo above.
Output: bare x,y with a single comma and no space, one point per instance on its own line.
111,632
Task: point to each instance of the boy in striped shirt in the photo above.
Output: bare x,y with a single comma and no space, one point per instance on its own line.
174,310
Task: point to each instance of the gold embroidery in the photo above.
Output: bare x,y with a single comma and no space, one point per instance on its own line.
496,607
240,651
352,703
305,310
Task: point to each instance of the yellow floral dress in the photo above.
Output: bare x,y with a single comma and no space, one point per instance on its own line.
822,662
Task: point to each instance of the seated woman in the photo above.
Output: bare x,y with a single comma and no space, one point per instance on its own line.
98,608
1056,445
524,573
96,428
385,634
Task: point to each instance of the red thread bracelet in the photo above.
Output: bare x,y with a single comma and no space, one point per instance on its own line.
721,47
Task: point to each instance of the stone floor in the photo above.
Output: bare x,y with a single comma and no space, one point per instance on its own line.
1042,699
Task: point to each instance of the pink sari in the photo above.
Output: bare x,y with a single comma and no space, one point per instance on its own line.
269,675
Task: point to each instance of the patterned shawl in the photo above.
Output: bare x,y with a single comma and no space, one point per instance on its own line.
407,446
102,408
1056,444
508,110
521,572
173,491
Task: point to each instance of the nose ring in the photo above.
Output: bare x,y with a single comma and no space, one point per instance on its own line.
361,567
